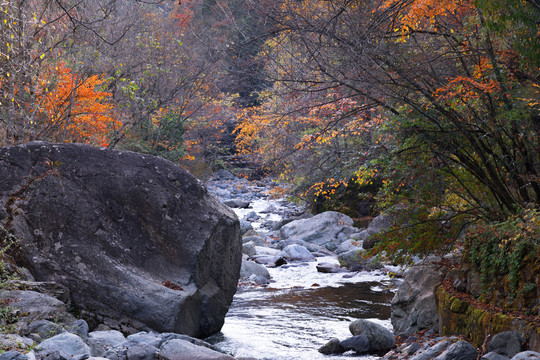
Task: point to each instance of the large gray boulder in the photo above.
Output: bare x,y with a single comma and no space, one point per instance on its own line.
414,306
138,241
319,229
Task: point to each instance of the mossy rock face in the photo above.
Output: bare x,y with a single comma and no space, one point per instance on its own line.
458,306
458,317
503,269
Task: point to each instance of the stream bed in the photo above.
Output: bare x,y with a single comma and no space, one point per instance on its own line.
300,309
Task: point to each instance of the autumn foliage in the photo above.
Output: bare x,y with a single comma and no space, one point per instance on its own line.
435,103
75,109
119,74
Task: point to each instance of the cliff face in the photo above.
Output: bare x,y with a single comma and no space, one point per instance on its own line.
137,240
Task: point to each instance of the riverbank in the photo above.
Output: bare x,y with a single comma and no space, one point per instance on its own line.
294,296
419,345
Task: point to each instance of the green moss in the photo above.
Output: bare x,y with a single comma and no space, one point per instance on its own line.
459,306
505,256
457,317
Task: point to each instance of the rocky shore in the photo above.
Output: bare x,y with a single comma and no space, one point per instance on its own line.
120,320
299,236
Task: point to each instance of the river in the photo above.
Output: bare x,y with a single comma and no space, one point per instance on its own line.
301,309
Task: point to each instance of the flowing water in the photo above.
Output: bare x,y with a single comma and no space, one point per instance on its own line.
301,309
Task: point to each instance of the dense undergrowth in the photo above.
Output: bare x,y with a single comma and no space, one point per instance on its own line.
506,254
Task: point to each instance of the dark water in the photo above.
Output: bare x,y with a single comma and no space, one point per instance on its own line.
291,318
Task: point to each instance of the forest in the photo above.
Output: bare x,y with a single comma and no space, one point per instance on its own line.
429,110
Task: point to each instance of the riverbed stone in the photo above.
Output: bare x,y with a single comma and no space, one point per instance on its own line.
194,341
255,239
411,349
250,268
527,355
13,355
237,203
355,261
14,341
380,223
296,252
431,352
251,216
51,288
347,245
507,343
270,209
268,260
159,252
222,175
414,306
107,339
67,345
141,352
32,306
319,229
79,327
144,337
331,347
43,329
183,350
494,356
245,226
118,353
380,339
358,343
460,350
249,250
329,268
282,244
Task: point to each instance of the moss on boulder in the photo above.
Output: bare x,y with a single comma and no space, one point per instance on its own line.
459,317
